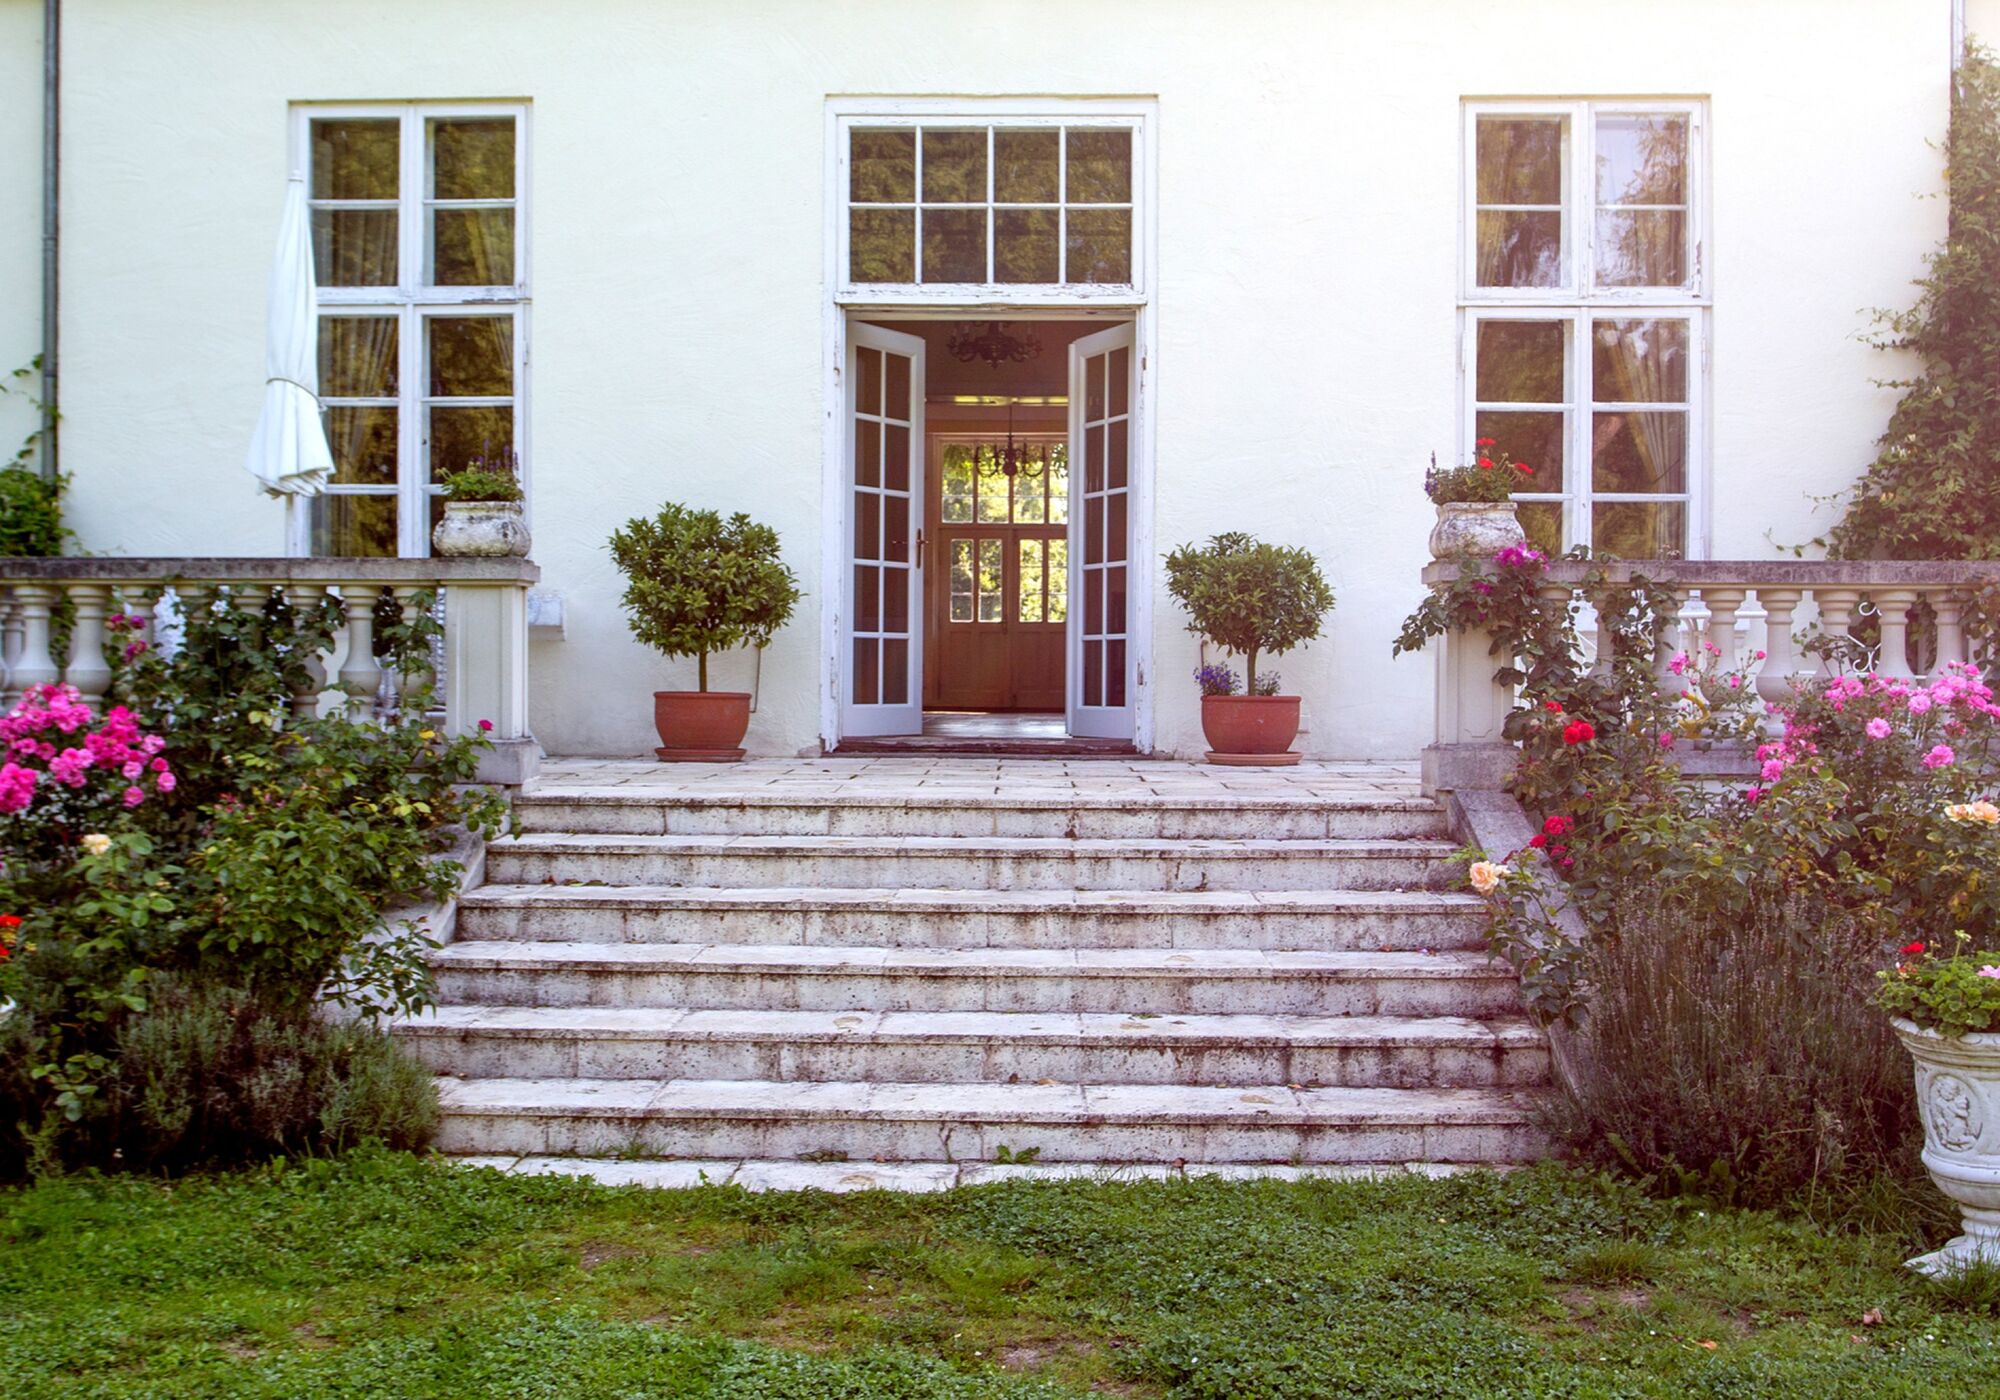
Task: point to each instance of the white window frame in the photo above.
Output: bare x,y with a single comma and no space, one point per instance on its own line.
846,114
1579,303
415,300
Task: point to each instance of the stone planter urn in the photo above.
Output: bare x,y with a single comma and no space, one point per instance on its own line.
481,530
1250,730
1475,529
1958,1098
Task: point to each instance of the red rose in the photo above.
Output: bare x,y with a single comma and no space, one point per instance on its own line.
10,920
1538,840
1579,732
1558,826
1554,707
1912,949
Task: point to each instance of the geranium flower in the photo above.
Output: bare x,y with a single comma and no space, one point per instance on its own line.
1911,950
1990,970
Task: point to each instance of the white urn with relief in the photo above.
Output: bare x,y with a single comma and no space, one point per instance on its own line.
482,530
1958,1098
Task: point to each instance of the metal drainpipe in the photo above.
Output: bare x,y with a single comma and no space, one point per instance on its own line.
51,226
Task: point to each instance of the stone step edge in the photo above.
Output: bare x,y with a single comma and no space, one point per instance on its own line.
751,1174
1071,1106
1135,848
863,899
791,960
918,799
1090,1030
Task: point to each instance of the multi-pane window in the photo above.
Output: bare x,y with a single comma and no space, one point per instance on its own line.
975,488
1584,309
419,248
1022,203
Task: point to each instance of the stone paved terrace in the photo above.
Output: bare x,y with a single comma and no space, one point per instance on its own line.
1055,781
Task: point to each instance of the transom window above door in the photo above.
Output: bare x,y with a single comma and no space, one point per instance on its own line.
960,201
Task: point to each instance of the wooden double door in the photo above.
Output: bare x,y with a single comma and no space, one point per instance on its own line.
998,581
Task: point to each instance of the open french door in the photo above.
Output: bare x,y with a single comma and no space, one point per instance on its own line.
882,665
1102,391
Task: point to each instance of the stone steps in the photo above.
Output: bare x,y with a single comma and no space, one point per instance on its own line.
618,811
978,1047
859,973
1380,919
970,863
1330,982
951,1122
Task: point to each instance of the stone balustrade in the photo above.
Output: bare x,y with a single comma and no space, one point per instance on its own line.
1739,607
484,667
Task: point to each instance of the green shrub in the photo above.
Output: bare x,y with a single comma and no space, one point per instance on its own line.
1249,597
30,514
480,484
697,584
1929,492
1740,1049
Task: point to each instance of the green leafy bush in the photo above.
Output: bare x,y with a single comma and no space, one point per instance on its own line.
1929,492
1249,597
1955,995
1491,477
261,854
696,584
30,515
481,484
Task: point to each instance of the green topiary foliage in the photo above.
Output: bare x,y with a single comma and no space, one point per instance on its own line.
1248,596
697,584
1929,494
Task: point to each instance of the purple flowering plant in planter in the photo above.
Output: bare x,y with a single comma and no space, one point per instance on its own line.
1217,679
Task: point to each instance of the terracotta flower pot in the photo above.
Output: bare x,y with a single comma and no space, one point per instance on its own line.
1250,729
701,726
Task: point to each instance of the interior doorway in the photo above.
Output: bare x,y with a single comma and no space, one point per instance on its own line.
988,499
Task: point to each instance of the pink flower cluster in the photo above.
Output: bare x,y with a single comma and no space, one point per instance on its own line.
1958,703
1515,556
53,735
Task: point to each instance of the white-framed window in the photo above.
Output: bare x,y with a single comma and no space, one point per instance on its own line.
1584,306
419,224
938,200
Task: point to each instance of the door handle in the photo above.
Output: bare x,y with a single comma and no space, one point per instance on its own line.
918,558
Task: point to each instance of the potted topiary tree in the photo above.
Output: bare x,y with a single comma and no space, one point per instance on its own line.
1254,599
697,584
482,512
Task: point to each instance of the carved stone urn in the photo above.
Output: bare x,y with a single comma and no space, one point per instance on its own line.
1958,1098
1475,529
481,530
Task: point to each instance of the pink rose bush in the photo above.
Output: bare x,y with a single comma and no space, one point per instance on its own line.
63,761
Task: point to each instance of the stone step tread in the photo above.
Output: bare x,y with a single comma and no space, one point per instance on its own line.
1069,1105
792,1175
1012,1028
807,847
1060,800
796,898
792,959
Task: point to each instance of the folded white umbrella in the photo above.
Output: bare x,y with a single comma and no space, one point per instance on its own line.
289,452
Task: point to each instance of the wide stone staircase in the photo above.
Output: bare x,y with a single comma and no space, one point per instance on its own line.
797,981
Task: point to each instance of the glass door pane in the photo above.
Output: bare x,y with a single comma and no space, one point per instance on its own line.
883,654
1101,398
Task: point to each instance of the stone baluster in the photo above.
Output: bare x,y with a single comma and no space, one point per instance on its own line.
10,644
1836,613
35,665
1722,604
412,599
360,674
1667,644
1949,606
1893,606
304,599
88,671
1781,662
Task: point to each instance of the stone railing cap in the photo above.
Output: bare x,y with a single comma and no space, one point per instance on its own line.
1754,573
234,570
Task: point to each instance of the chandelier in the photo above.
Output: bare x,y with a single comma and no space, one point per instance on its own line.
1014,459
993,345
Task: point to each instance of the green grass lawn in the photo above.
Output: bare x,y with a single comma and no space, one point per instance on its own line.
389,1276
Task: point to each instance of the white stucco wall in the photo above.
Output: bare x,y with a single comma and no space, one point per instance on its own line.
20,210
1308,208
